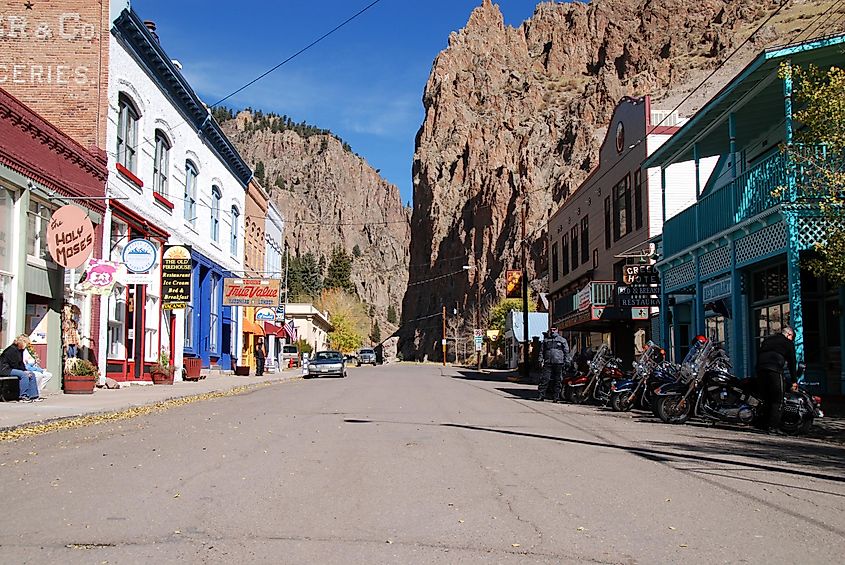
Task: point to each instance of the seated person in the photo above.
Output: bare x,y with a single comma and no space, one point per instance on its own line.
11,364
33,365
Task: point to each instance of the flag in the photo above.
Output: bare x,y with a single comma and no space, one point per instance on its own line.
290,329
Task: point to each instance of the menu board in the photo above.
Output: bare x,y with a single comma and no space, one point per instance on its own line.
176,277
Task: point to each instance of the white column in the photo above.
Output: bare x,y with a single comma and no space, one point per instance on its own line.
102,340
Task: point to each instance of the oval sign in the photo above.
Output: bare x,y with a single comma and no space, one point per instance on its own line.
140,255
265,315
70,236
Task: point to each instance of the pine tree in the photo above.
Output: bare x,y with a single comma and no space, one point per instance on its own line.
312,277
280,183
356,251
391,314
340,271
375,335
259,171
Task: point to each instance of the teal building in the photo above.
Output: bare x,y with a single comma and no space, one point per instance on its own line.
732,265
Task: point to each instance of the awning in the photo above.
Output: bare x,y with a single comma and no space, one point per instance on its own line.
272,329
251,327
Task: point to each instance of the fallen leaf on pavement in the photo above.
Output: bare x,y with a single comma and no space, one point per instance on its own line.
514,545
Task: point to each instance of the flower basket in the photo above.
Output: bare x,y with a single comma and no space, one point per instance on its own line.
162,372
80,376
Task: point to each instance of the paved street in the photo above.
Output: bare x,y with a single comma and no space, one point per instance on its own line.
416,464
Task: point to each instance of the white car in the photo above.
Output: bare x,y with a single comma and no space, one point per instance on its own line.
326,364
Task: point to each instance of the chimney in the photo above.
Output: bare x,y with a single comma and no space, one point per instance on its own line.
151,25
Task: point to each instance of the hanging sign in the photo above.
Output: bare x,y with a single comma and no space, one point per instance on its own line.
265,315
251,292
139,255
513,284
280,313
100,277
176,269
70,236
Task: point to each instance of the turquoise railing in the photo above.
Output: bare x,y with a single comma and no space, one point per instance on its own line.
750,194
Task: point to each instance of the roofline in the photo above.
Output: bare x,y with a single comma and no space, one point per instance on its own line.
133,34
769,54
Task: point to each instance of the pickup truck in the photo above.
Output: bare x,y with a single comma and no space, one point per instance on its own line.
366,357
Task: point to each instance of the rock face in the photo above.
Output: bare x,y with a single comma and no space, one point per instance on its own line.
333,198
514,117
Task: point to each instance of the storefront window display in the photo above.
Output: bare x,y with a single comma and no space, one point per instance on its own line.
38,219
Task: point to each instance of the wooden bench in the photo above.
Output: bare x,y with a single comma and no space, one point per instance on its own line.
9,389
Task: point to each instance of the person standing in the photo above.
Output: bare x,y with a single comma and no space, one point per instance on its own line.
555,357
260,356
12,365
776,352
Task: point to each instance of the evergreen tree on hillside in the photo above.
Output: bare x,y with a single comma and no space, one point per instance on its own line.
259,171
391,314
312,277
375,334
340,271
356,251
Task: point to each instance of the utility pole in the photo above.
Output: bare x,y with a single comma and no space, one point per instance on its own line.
477,312
444,336
525,368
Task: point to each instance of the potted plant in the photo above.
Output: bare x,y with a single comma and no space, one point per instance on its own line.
162,371
80,376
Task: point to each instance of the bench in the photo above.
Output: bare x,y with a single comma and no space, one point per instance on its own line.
9,389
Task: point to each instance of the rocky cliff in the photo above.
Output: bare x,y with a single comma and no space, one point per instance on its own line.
515,116
330,197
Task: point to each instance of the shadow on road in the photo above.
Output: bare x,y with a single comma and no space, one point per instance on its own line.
493,377
523,393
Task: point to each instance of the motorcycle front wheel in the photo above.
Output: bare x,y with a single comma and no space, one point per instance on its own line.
622,401
797,428
673,409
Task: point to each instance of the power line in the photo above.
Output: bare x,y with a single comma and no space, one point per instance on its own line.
301,51
818,18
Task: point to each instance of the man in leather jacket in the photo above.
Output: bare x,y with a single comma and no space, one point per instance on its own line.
776,351
555,358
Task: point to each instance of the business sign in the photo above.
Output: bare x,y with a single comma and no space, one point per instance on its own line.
584,297
716,290
251,292
139,255
70,236
280,313
176,267
637,290
513,284
143,279
641,274
639,313
597,312
637,302
100,277
265,315
479,340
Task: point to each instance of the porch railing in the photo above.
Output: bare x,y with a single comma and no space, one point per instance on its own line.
758,189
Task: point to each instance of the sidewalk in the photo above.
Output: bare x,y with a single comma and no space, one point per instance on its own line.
58,405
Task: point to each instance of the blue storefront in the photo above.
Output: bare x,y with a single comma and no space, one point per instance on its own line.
210,327
732,264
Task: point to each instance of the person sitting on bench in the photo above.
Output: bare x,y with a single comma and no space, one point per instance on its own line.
33,365
12,365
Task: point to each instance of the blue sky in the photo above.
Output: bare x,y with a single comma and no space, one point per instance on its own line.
364,83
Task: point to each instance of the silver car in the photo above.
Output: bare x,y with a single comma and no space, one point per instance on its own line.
366,357
326,364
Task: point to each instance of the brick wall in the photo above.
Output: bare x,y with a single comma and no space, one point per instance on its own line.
54,58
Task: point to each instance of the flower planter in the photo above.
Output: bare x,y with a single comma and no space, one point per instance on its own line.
79,384
162,377
241,370
193,368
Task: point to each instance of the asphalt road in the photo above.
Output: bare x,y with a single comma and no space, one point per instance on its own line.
410,464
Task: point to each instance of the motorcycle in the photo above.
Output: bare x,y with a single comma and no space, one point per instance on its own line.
800,409
603,371
650,372
707,389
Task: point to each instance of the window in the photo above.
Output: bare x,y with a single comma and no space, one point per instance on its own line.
161,164
573,236
127,133
555,271
235,226
565,253
638,199
622,208
214,316
607,223
36,230
585,239
190,192
215,213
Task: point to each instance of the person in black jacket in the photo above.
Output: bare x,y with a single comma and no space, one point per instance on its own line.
555,357
260,357
12,365
776,352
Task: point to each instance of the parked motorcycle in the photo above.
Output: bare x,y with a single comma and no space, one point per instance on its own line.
650,372
707,389
603,371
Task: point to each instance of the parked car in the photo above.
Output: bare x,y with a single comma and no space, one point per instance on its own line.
366,356
327,363
290,352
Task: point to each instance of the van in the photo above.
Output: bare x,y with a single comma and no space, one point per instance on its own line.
290,352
